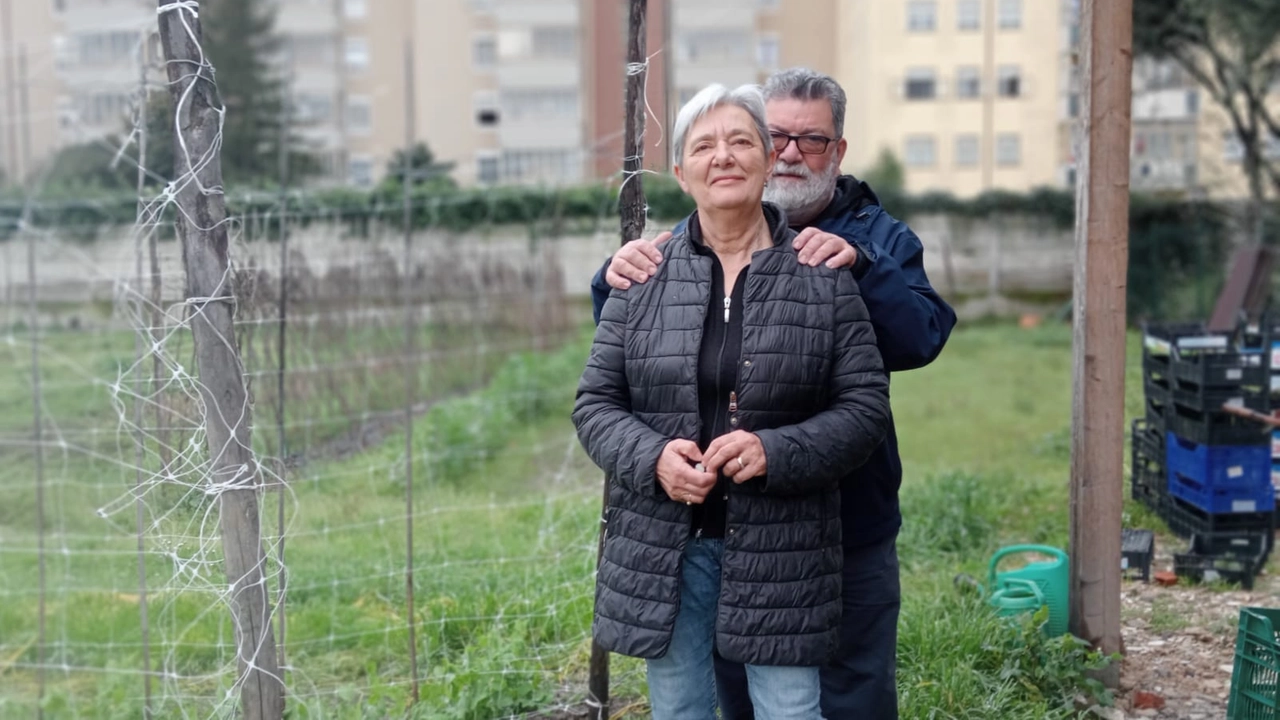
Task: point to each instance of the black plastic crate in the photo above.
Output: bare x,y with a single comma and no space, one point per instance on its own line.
1215,428
1148,479
1211,399
1185,520
1234,557
1137,549
1220,369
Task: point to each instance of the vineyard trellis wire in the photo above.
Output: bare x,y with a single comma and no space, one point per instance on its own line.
135,598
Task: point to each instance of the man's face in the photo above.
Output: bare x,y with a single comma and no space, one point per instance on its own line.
801,179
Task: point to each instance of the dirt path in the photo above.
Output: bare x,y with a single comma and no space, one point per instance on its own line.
1180,644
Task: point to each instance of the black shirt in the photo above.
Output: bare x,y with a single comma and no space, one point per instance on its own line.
717,381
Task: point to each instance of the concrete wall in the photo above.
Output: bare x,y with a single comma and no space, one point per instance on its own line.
988,259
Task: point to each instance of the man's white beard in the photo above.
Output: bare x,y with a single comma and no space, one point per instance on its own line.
802,200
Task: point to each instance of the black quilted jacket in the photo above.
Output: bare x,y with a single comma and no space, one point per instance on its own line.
811,386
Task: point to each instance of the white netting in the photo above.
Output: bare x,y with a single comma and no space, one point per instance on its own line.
506,505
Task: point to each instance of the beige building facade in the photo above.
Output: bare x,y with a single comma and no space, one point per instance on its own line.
965,93
969,95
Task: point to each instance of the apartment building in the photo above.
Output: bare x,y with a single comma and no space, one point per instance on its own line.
964,92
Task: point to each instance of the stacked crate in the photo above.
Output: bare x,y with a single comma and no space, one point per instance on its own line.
1207,472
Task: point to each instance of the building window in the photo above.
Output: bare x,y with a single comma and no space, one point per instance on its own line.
920,84
107,47
968,81
484,52
311,49
1009,81
1010,17
540,103
968,14
354,9
357,53
554,43
1193,102
1232,148
922,15
767,52
59,5
1073,105
1008,149
360,171
486,105
359,114
551,166
487,168
966,150
714,46
313,108
921,151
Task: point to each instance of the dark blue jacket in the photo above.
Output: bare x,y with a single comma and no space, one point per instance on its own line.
912,323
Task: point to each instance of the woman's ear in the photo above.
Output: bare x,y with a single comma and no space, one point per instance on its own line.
679,173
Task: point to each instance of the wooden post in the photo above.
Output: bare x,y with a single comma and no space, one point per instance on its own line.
1102,254
410,353
631,207
140,341
210,304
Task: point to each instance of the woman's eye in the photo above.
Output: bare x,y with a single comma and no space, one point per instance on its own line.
742,142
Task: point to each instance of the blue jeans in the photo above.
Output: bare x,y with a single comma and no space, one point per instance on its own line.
860,682
682,683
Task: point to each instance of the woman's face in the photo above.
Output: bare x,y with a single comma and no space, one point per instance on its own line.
725,164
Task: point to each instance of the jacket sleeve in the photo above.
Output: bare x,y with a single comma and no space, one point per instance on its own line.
814,454
623,446
912,322
600,291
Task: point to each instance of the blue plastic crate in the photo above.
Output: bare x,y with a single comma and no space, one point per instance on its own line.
1242,467
1222,500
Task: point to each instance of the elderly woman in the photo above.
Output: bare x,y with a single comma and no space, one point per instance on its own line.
726,400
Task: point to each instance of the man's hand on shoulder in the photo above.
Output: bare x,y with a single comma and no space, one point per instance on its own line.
817,246
637,261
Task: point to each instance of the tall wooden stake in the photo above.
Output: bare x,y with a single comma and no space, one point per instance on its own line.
411,371
228,416
282,325
1102,254
631,206
140,340
37,422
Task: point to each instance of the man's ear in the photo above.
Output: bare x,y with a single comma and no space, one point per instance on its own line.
842,145
679,173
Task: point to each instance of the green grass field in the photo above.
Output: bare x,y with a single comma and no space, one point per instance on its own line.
505,526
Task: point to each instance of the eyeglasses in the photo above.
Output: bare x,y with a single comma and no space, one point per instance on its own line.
807,144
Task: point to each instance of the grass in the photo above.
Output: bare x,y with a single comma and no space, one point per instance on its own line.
505,524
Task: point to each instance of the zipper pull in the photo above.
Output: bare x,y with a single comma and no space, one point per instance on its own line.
733,401
727,302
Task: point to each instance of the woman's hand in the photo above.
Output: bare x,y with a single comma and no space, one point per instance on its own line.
682,481
740,454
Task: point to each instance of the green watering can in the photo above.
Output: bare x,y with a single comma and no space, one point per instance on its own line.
1028,588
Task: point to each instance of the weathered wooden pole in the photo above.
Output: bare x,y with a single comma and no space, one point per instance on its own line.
234,475
631,208
1102,260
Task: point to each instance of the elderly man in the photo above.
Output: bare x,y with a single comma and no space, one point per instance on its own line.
842,223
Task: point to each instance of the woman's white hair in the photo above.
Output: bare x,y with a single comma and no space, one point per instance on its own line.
747,97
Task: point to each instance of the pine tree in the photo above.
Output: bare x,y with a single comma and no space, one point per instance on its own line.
240,40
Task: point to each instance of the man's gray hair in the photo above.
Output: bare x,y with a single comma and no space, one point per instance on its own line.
805,84
747,97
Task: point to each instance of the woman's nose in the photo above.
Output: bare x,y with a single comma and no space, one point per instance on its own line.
722,155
